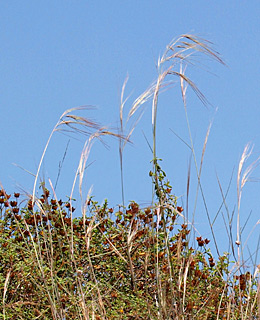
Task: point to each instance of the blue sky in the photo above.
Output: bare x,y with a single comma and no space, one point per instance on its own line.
57,55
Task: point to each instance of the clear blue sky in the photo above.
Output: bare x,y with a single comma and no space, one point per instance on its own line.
57,55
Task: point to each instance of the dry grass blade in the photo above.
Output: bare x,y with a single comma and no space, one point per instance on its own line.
85,153
178,52
246,153
74,120
5,287
189,44
241,181
143,98
204,148
202,45
199,94
82,121
123,102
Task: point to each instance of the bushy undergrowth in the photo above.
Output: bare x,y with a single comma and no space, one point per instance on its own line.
113,264
127,262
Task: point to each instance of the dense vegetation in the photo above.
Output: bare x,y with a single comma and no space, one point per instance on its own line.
128,262
136,266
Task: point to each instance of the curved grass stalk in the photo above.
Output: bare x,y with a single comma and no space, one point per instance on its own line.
241,181
71,121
